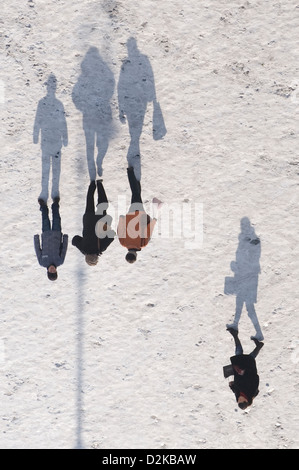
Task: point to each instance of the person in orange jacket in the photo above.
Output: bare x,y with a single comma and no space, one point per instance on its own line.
136,227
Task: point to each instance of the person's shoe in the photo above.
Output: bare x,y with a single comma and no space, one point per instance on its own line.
258,336
42,202
232,329
258,343
56,200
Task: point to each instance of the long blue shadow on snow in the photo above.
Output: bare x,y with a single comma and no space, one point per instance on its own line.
80,356
80,292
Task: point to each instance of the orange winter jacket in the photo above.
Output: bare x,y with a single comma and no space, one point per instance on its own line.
135,230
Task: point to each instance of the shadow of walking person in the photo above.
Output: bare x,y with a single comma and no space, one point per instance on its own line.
246,270
50,124
136,88
92,95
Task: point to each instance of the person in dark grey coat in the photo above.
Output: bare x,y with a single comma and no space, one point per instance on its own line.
52,249
97,232
243,368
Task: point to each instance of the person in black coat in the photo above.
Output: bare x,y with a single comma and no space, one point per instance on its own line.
243,368
97,232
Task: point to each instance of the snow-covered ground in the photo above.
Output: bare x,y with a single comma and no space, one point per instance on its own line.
131,356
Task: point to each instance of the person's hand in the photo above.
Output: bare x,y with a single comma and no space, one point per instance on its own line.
256,241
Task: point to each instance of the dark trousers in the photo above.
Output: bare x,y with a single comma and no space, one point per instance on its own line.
102,198
136,200
239,350
56,219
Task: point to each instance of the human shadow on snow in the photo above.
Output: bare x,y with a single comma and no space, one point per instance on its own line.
136,88
92,96
50,125
246,269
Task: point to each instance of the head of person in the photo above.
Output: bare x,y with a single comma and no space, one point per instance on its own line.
51,84
92,259
131,256
52,273
243,402
132,46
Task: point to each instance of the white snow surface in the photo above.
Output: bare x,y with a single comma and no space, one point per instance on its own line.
122,356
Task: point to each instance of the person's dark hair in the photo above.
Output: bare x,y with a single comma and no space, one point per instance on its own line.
131,257
52,276
243,405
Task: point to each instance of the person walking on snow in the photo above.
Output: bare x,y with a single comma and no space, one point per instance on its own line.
51,251
135,229
97,232
243,368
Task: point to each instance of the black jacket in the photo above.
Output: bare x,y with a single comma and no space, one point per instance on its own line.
247,383
90,244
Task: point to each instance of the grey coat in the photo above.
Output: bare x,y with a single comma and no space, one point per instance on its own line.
53,250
